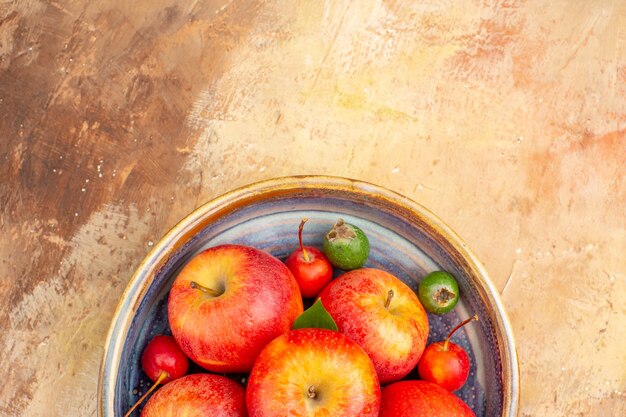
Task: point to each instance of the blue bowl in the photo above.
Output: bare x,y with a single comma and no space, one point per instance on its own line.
405,238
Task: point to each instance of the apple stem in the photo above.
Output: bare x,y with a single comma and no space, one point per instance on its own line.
311,393
300,228
389,297
160,379
204,289
458,326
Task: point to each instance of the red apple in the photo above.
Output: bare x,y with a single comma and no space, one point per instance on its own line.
230,301
313,372
310,267
383,315
204,395
421,399
446,363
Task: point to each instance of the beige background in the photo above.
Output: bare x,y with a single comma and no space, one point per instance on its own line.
505,118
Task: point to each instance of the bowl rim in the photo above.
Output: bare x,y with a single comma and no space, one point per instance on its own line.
241,196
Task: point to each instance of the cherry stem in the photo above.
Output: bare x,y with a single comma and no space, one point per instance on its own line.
160,379
389,297
458,326
206,290
304,254
311,393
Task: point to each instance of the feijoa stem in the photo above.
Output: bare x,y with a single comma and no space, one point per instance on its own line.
304,254
160,379
340,230
389,298
204,289
458,326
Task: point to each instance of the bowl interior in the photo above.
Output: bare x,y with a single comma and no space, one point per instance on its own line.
402,242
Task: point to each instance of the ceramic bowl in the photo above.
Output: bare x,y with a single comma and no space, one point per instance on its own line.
405,238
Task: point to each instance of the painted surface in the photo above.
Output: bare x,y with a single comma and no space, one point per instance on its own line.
505,118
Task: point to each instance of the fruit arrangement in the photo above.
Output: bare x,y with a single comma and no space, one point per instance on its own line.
350,353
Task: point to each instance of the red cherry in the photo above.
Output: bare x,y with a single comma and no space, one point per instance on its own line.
310,267
163,356
446,363
163,361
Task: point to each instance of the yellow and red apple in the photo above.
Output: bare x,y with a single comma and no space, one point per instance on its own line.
313,373
383,315
228,302
206,395
421,399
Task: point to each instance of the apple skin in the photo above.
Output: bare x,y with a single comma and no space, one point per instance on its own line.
198,395
312,275
225,333
342,376
393,337
447,366
421,399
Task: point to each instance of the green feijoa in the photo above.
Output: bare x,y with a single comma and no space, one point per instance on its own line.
346,246
438,292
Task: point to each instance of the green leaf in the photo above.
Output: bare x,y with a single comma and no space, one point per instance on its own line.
315,316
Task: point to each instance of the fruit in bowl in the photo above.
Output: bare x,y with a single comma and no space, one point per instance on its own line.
421,399
346,246
228,302
383,315
163,361
438,292
405,240
309,266
204,395
313,372
446,363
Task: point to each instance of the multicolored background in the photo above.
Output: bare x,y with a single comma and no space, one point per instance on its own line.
505,118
